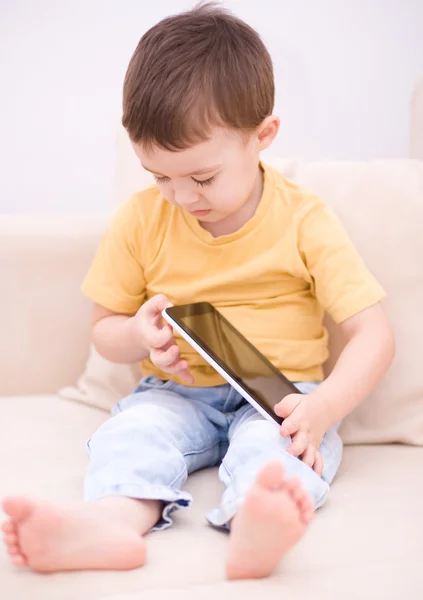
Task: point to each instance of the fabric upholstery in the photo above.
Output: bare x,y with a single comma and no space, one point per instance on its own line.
44,319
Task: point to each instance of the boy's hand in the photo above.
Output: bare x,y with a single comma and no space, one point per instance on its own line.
149,331
303,422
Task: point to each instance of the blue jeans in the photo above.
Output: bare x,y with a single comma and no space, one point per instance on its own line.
164,431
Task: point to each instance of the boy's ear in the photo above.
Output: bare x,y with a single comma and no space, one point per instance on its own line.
267,131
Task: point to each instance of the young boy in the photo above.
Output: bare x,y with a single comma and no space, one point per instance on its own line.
221,227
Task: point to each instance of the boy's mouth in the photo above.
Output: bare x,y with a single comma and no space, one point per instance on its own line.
200,213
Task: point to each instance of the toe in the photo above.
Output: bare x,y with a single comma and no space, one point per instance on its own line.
14,551
298,496
305,506
271,476
8,527
11,539
301,498
306,509
304,503
308,516
18,508
293,484
19,560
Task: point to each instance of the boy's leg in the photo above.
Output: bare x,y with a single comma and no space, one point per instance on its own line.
57,537
139,461
270,492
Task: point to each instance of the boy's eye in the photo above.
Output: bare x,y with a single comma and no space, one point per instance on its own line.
161,179
204,182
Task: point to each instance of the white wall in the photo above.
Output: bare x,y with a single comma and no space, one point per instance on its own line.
344,73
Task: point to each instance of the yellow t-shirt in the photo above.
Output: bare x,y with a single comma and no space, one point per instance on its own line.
272,279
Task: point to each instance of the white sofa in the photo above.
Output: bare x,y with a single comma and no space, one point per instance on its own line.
367,542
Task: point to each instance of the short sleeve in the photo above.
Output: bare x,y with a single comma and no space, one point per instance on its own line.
342,283
115,279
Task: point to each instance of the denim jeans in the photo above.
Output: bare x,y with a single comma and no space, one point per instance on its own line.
164,431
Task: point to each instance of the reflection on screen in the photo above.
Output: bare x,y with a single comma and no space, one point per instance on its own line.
244,363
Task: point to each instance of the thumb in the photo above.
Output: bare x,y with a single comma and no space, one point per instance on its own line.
156,304
286,406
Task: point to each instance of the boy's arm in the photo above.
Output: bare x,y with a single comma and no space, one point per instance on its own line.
369,351
347,290
132,338
366,357
113,336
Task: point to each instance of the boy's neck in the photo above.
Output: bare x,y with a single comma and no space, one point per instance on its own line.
234,222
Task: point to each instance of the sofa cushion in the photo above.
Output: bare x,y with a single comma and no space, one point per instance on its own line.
103,383
368,536
44,321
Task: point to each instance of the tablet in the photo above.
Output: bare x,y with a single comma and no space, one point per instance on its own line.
232,355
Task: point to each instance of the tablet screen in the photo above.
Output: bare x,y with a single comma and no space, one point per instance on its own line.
232,351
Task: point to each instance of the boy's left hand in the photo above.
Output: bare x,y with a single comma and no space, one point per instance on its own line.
303,422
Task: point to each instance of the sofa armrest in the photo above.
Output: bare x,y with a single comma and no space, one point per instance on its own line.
44,318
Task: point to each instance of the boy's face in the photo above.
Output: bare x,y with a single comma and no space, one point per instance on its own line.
212,180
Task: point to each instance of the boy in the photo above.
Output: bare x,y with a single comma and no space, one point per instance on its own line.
219,226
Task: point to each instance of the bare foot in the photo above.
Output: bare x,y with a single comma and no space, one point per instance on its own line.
272,519
49,537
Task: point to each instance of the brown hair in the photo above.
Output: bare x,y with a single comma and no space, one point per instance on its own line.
193,70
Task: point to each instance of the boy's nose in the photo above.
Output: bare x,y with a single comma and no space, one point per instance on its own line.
186,199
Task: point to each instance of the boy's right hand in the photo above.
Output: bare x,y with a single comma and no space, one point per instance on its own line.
149,331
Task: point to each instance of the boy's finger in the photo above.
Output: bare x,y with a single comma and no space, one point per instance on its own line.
309,456
290,426
186,376
157,338
286,406
165,358
180,369
175,368
318,465
299,444
156,305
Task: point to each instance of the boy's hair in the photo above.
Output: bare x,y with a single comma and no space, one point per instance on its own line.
194,70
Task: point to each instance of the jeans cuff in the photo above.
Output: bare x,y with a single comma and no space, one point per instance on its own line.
321,501
172,499
169,507
222,516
